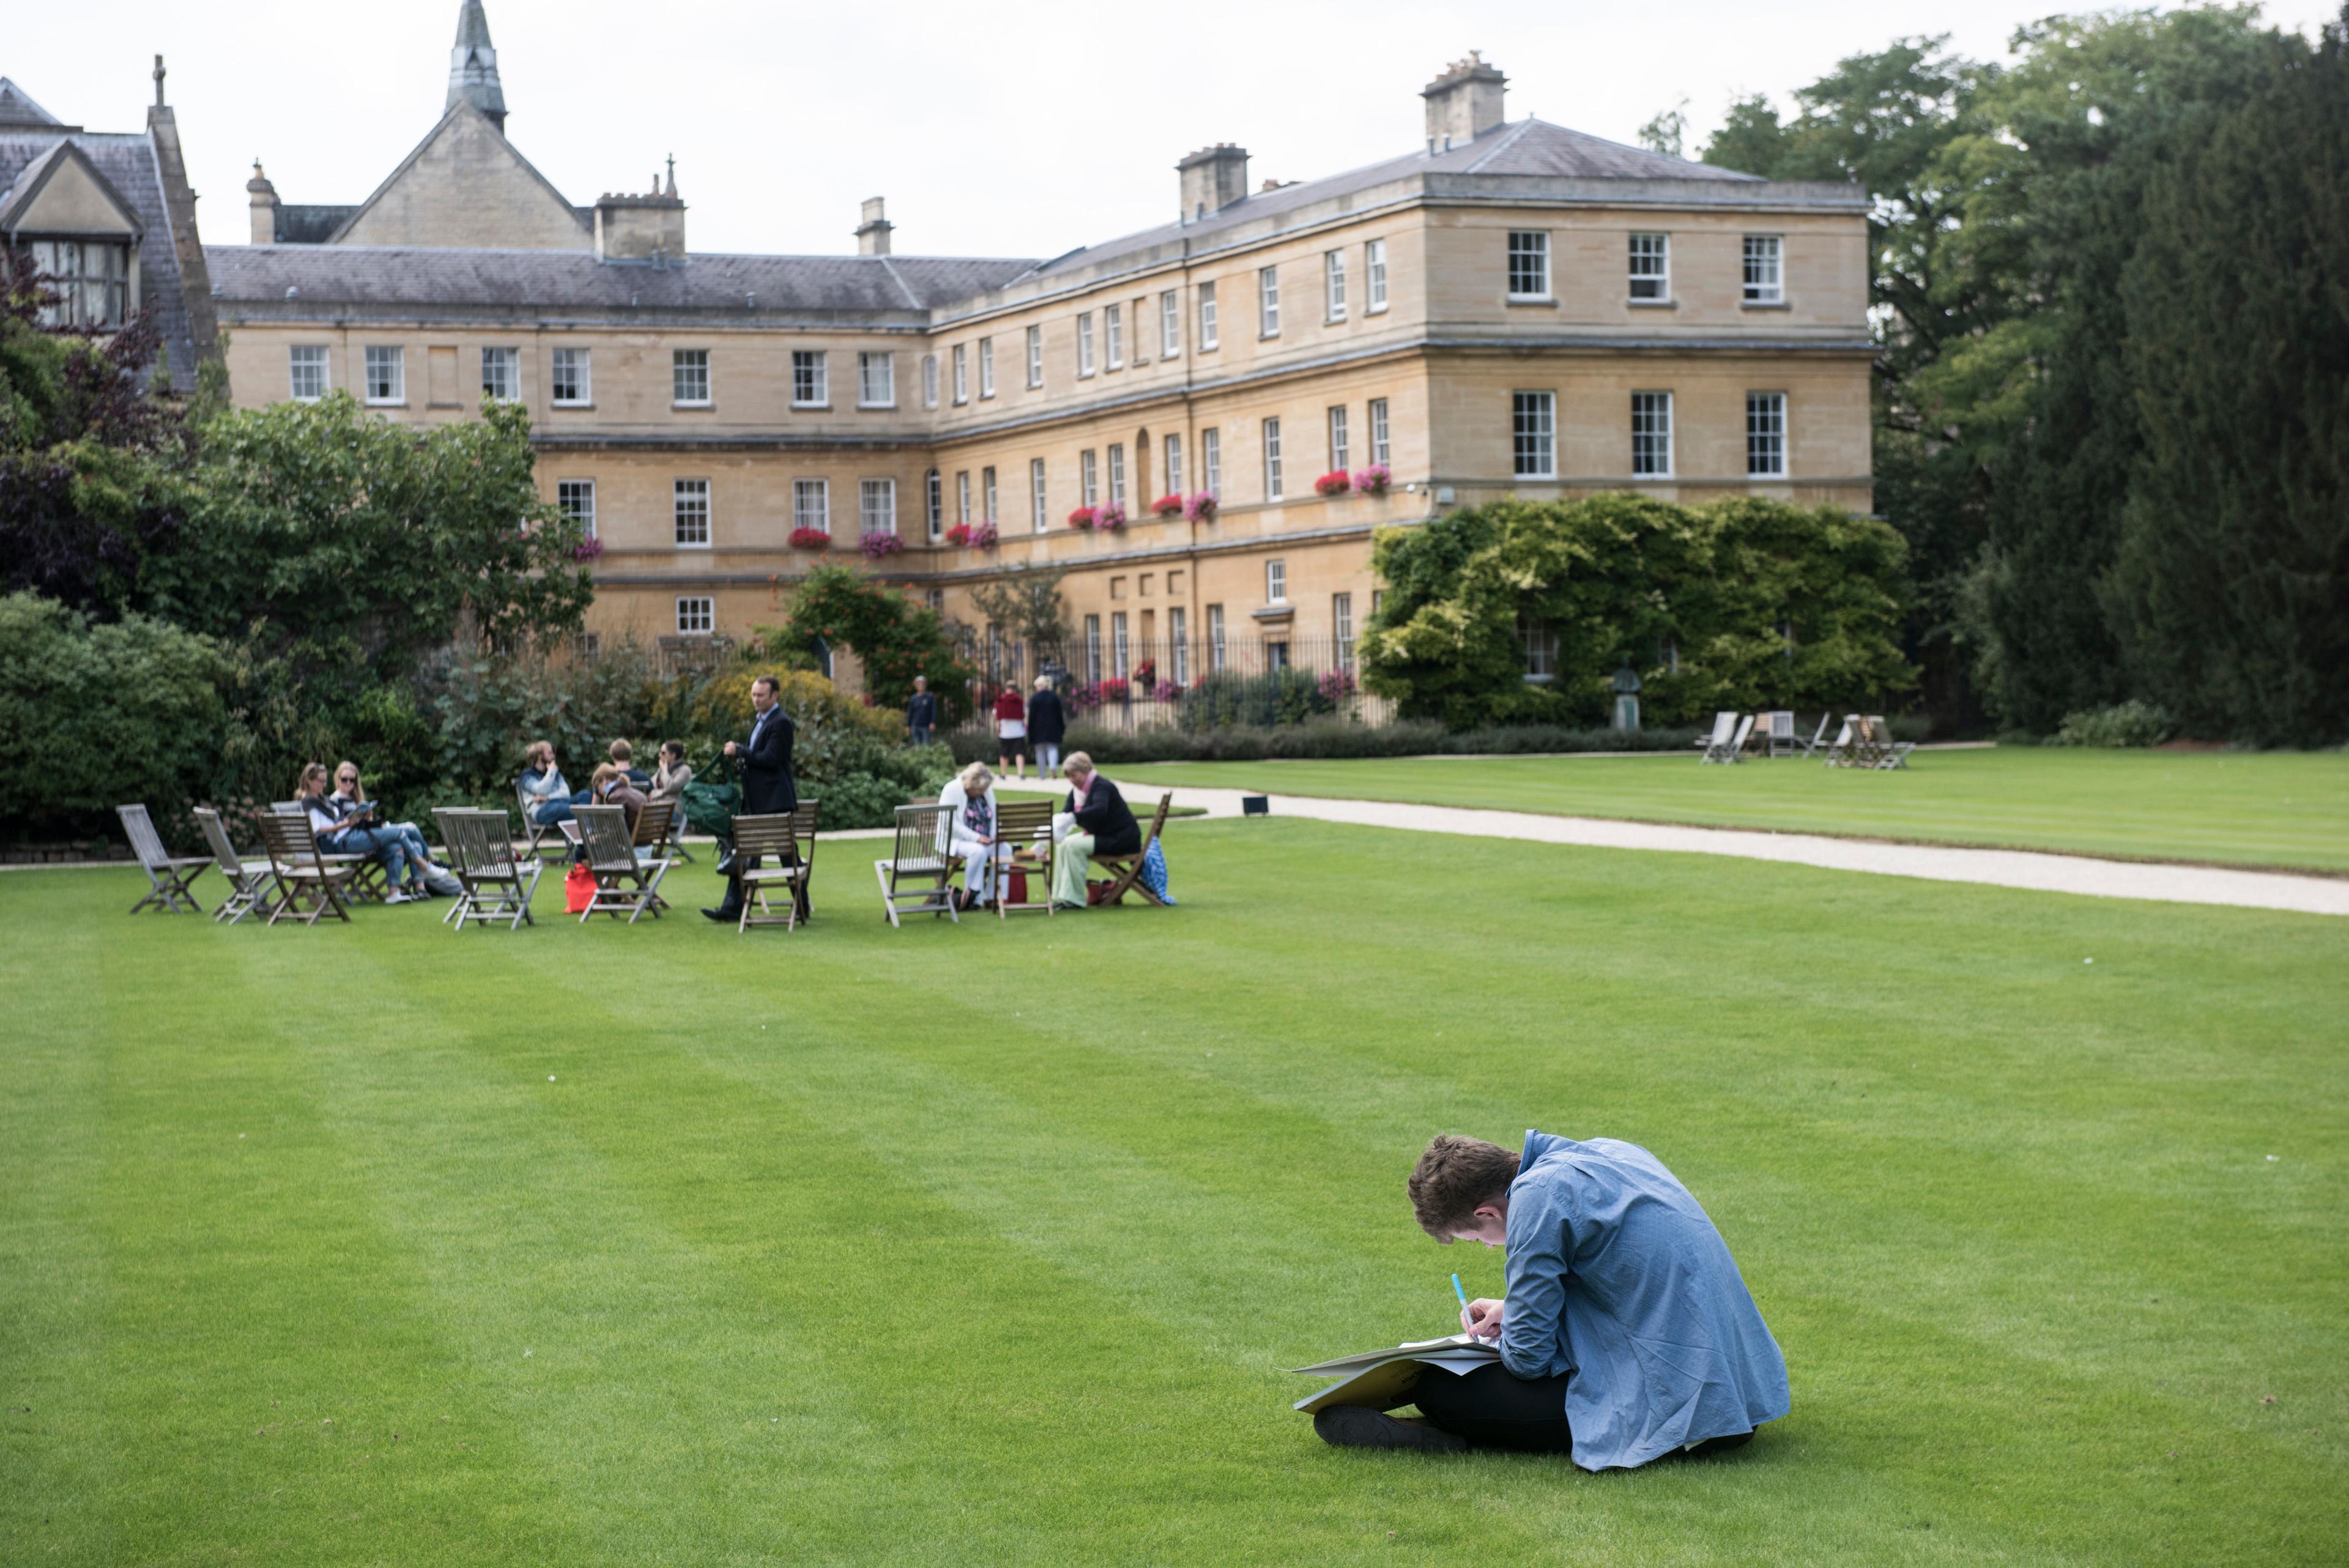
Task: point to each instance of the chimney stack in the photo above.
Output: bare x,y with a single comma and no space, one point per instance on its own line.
1463,103
1213,179
642,228
872,233
264,197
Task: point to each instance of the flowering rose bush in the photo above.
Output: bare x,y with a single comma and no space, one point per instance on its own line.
1145,674
1110,517
1083,697
1115,689
1200,508
1083,517
958,535
1168,506
1166,692
1373,480
1334,482
811,539
1336,685
879,543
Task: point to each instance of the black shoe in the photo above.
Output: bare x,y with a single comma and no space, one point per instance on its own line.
728,916
725,866
1359,1426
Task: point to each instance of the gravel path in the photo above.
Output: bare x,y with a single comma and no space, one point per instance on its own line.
1997,867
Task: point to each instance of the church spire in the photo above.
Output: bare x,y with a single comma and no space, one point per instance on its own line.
473,66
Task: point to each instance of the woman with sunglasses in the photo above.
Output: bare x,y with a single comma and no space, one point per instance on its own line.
424,878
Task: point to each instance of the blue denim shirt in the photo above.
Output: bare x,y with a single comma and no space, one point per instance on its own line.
1617,1277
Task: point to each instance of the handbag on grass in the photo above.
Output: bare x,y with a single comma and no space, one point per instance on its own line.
578,889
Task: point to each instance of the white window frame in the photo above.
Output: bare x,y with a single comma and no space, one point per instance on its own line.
1113,337
934,504
1765,269
962,497
1528,264
688,368
1038,507
1276,581
1379,446
1652,435
1533,434
1170,324
1765,435
1272,464
961,374
987,492
1092,649
1121,645
387,368
876,506
930,380
1084,344
1650,268
1375,270
688,503
987,367
696,615
1035,356
1537,640
572,369
1341,629
1208,340
1088,478
505,384
1211,460
811,378
1341,444
1178,644
1170,462
876,378
1215,640
576,499
811,505
1267,301
1117,474
1333,285
308,372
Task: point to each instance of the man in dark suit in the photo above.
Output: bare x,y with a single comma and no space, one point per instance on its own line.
764,759
1047,724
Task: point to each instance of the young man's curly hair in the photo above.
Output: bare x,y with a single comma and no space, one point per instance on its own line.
1453,1177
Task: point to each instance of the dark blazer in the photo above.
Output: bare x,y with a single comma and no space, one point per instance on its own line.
1107,818
768,789
922,710
1047,721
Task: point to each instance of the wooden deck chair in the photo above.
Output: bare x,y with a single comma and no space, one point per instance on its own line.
1840,750
1818,736
1782,741
1717,746
1127,868
917,876
675,849
537,835
1731,750
299,872
1027,826
168,878
804,822
248,880
623,882
769,842
369,881
496,886
1889,753
655,838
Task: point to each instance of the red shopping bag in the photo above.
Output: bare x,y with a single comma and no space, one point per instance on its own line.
578,889
1015,888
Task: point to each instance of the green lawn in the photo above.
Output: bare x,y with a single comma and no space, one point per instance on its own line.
2283,809
986,1245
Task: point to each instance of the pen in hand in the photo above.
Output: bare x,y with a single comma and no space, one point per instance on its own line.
1463,1301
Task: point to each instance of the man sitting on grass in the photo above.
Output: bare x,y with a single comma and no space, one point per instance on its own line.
1628,1333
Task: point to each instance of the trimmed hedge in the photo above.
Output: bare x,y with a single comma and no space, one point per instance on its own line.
1332,738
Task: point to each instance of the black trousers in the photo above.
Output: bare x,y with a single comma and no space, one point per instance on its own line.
1495,1409
733,904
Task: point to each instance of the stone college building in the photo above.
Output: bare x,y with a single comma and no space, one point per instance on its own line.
1233,401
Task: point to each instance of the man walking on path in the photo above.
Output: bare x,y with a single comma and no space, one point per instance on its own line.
1047,725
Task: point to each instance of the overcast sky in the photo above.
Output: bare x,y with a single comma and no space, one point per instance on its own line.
1020,130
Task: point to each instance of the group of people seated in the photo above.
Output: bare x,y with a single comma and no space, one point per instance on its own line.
548,798
345,823
1093,820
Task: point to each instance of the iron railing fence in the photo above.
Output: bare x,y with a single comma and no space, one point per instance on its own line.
1130,684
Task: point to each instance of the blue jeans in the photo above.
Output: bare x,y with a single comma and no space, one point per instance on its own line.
546,813
384,843
921,733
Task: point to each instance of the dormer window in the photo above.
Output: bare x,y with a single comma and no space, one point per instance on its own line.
91,279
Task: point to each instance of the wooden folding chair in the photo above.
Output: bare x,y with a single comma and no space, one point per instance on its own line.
300,872
1818,736
917,878
655,838
1781,742
1127,868
495,884
1718,746
536,833
1889,753
623,882
675,848
1027,826
1840,749
248,880
169,878
369,880
767,855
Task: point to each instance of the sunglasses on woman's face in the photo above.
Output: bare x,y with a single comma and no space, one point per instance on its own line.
346,778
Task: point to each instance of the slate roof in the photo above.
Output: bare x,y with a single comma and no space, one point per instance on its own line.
17,107
127,162
393,282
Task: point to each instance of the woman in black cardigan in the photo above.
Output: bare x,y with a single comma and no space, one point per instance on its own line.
1104,825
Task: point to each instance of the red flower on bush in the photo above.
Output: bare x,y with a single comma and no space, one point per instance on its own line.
1168,506
811,539
1083,517
1114,690
1334,482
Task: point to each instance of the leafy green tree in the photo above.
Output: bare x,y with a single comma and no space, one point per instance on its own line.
1025,602
895,640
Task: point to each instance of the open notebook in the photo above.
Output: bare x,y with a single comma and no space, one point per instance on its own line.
1382,1379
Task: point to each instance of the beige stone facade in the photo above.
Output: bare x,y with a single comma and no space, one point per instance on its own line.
1487,317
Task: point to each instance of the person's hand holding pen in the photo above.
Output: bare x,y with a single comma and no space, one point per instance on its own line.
1481,1317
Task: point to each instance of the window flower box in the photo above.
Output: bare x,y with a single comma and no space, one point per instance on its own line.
1115,689
810,539
1200,508
982,536
1373,480
1083,517
880,543
1110,518
587,549
1334,482
960,534
1169,506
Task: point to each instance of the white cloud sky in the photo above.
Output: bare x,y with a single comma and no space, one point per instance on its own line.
993,131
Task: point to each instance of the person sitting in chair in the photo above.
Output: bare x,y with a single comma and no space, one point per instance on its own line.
623,757
424,878
673,774
612,786
768,789
1098,823
969,797
1628,1333
353,832
545,791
